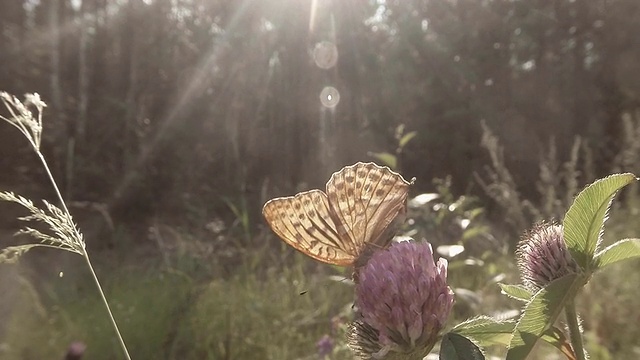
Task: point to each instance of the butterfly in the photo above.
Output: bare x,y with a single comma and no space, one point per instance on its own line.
356,215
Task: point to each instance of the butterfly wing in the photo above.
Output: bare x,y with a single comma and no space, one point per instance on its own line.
366,200
304,222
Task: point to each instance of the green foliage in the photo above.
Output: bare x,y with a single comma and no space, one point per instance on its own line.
446,219
586,215
583,231
149,305
518,292
628,157
458,230
556,185
151,301
387,159
392,160
262,316
486,331
584,221
276,313
241,214
609,310
540,313
457,347
622,250
29,330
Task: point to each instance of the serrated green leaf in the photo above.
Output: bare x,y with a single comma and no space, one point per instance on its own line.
387,159
626,249
486,331
584,221
518,292
406,138
540,314
457,347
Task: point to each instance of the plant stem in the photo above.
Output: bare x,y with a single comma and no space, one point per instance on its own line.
574,330
53,181
86,257
106,304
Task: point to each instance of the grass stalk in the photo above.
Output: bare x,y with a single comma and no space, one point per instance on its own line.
67,236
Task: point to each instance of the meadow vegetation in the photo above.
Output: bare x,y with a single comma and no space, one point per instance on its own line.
176,296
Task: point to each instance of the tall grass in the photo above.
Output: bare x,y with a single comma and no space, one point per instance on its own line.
277,313
62,232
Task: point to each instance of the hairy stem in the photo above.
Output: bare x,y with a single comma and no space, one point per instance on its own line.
574,330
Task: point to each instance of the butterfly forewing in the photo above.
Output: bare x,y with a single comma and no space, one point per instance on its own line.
303,221
391,197
367,198
358,211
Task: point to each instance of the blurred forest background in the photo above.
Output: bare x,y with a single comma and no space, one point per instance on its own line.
170,123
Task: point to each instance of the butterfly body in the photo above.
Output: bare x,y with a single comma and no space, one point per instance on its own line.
357,214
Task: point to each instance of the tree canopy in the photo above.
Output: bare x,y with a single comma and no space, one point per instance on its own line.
163,103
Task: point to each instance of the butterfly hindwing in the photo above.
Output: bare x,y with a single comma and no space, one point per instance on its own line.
304,222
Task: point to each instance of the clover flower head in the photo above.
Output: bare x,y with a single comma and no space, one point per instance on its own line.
543,256
404,302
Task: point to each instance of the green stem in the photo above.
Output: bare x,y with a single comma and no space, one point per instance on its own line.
106,304
574,330
86,257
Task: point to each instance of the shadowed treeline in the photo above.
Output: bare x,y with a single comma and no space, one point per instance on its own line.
157,107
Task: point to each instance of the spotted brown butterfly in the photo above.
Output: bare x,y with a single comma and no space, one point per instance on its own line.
357,214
